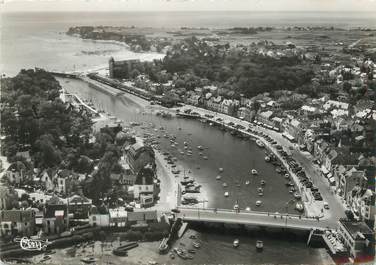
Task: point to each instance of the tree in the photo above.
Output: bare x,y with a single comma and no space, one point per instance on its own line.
134,73
47,154
346,86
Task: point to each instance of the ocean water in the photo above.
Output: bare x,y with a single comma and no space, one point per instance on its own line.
36,39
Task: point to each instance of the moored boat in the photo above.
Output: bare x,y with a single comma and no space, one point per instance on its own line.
45,258
254,172
186,181
236,243
260,143
163,246
181,254
299,207
258,203
259,245
226,194
88,260
224,184
191,190
218,177
196,244
289,184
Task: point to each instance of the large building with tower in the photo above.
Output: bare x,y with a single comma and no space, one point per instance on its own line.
121,69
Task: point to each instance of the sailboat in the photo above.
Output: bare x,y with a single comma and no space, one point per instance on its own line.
236,206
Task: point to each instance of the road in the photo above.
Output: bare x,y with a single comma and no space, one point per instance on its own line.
253,218
336,207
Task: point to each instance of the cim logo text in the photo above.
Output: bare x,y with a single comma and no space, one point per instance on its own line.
32,244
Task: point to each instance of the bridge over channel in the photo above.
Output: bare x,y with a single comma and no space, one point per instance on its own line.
65,74
252,218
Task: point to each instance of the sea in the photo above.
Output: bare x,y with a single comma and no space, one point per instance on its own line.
35,39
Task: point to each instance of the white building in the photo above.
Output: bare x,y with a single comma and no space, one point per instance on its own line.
356,236
118,217
335,104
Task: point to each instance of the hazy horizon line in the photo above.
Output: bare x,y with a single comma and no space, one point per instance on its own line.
189,11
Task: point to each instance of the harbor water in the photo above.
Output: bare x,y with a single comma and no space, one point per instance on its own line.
237,157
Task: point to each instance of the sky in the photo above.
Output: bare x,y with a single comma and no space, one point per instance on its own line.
187,5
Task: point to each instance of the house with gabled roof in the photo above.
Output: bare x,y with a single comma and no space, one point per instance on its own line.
118,217
144,186
320,147
17,222
7,197
357,237
142,217
350,179
46,177
214,103
55,216
99,217
361,201
79,207
16,172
